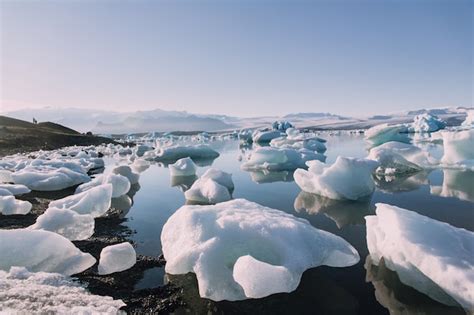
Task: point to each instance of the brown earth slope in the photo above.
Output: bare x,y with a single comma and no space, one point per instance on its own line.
21,136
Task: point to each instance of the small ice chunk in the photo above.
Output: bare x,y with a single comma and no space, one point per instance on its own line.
220,177
120,184
46,178
431,256
380,134
458,147
15,189
95,201
41,251
347,178
116,258
240,249
68,223
275,159
24,292
126,171
183,167
206,190
9,205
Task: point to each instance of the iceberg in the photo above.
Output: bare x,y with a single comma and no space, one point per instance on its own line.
41,251
183,182
48,178
9,205
175,152
297,140
426,123
25,292
116,258
183,167
126,171
398,158
265,136
5,192
380,134
347,178
212,187
15,189
281,125
95,201
240,249
458,148
120,184
431,256
275,159
65,222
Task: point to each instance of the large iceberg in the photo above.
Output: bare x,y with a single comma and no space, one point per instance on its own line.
239,249
431,256
183,167
41,251
426,123
9,205
398,158
116,258
347,178
458,148
275,159
24,292
46,178
95,201
68,223
265,136
380,134
120,184
175,152
212,187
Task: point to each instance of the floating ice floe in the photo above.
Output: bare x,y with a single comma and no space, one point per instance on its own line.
239,249
68,223
380,134
126,171
47,178
265,136
426,123
431,256
41,251
183,167
347,178
281,125
120,184
176,152
456,183
212,187
116,258
25,292
275,159
15,189
398,158
297,140
9,205
458,149
94,201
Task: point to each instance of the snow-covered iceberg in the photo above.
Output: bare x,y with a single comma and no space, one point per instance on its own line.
380,134
347,178
275,159
41,251
398,158
458,149
46,178
95,201
15,189
68,223
183,167
239,249
120,184
298,140
175,152
431,256
10,205
116,258
212,187
25,292
265,136
426,123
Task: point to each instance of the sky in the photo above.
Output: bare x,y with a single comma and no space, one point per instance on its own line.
244,58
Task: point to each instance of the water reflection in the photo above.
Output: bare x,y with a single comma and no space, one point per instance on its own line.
120,206
342,212
399,298
316,294
456,183
261,177
183,182
401,183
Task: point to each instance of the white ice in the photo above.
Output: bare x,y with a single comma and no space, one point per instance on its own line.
9,205
347,178
116,258
68,223
239,249
265,136
95,201
469,121
458,148
41,251
426,123
212,187
380,134
47,178
432,256
120,184
15,189
25,292
275,159
176,152
127,171
183,167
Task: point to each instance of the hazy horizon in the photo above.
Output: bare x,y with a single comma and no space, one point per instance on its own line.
237,58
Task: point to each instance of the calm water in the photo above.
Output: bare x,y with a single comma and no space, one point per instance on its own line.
360,289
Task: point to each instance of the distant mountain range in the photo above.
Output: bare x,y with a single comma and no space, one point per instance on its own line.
109,122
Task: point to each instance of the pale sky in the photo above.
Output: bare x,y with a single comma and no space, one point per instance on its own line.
244,58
